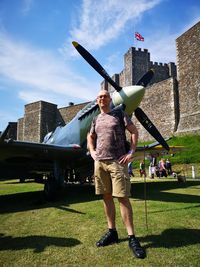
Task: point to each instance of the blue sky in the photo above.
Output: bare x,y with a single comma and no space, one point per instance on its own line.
38,61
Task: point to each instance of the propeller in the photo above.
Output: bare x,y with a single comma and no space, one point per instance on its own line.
150,127
95,64
140,115
146,78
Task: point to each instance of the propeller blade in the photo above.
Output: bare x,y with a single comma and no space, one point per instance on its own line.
150,127
95,64
146,78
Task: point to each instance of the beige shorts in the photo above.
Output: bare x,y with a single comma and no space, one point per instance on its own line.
112,178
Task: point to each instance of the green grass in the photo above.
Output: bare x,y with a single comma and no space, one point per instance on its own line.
191,154
34,232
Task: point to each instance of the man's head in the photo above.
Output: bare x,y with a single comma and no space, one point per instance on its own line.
103,100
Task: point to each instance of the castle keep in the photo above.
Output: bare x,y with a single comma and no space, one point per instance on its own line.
136,63
171,101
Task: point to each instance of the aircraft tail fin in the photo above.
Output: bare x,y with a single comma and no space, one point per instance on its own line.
4,133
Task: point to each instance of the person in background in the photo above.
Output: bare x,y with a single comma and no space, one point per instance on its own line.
157,171
107,148
151,171
168,167
142,169
162,168
130,169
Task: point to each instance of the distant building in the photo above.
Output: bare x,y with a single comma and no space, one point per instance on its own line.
42,117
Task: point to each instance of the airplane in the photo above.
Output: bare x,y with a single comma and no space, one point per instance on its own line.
62,156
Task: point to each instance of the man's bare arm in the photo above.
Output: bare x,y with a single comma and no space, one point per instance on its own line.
134,139
91,143
134,136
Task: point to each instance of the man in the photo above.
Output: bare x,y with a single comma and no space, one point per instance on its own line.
107,148
168,167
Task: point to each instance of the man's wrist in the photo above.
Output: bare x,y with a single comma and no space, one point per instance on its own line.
131,151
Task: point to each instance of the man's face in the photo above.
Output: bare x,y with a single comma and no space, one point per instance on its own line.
103,99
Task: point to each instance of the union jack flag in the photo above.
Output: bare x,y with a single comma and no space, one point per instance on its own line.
139,37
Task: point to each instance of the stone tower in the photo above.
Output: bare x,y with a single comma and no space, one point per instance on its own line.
136,64
188,61
39,119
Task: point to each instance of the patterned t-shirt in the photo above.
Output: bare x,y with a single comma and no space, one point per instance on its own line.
110,141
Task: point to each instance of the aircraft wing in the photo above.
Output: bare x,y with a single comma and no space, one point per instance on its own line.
155,149
25,157
11,148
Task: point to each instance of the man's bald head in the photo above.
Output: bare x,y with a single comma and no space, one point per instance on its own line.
103,100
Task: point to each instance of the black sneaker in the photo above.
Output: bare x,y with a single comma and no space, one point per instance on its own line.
108,239
136,248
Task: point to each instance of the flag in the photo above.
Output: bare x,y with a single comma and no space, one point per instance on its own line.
139,37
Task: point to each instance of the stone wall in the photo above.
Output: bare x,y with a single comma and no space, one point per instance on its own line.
67,113
20,129
188,59
48,118
32,122
39,118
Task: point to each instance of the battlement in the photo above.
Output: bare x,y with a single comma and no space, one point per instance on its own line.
134,49
152,64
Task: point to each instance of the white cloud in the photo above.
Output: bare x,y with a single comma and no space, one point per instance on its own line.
42,71
102,21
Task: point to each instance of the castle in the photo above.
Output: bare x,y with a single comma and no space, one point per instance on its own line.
172,100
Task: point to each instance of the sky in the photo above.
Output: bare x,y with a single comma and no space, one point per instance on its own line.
39,62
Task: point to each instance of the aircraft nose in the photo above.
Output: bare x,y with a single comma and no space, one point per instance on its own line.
131,96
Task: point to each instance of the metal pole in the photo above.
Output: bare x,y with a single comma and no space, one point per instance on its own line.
145,194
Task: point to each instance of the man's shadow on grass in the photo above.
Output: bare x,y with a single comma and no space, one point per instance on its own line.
24,201
35,242
172,238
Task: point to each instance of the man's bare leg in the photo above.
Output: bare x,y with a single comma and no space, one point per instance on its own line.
111,236
127,214
109,208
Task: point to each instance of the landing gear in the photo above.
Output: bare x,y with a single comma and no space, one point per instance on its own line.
22,180
50,188
54,182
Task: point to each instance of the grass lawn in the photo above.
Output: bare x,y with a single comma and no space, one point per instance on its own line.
34,232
